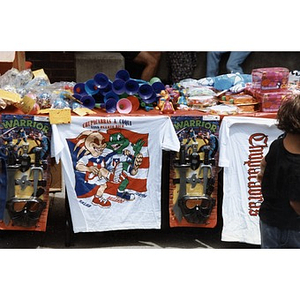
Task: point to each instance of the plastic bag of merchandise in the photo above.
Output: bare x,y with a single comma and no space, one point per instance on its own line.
14,79
44,97
8,77
48,95
23,78
200,97
38,79
201,91
35,83
200,102
7,80
62,86
223,109
61,101
188,83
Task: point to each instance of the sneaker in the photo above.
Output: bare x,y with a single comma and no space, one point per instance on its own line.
126,196
101,202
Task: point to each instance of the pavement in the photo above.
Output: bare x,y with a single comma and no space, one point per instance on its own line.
58,236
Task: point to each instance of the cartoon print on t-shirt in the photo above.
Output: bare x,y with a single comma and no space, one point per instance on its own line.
89,164
123,162
107,164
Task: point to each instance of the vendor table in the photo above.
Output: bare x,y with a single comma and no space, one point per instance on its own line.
239,208
66,136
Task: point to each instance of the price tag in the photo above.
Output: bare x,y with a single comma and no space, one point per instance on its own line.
82,111
10,96
60,116
26,105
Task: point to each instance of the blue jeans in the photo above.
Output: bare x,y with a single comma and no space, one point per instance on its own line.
275,238
233,65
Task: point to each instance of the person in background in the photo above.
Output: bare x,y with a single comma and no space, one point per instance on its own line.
149,59
233,65
280,182
181,65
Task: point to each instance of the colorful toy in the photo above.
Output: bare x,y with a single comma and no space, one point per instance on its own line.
101,89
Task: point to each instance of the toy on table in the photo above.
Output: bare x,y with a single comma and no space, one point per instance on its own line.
165,101
102,90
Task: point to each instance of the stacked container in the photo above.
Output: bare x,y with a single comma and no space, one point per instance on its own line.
270,87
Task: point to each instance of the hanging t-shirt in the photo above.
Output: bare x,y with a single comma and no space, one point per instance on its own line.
112,170
243,143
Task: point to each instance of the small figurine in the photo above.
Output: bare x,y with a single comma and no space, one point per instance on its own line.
167,107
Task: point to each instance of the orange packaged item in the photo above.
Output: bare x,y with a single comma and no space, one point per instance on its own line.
245,103
238,98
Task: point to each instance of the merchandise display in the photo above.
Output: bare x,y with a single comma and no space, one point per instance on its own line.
261,91
30,91
109,135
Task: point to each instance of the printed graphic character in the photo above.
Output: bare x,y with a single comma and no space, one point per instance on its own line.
8,149
43,142
90,172
181,135
191,136
211,142
22,136
123,163
7,137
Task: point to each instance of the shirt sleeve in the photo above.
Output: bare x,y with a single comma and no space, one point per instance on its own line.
223,140
57,147
170,141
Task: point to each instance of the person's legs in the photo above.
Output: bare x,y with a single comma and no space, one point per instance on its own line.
293,239
212,65
272,237
151,61
236,58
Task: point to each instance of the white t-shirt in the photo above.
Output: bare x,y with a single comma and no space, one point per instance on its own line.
119,160
243,143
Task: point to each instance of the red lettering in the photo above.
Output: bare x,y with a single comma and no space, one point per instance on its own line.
257,142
